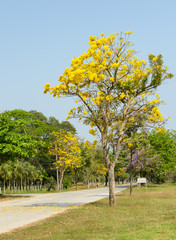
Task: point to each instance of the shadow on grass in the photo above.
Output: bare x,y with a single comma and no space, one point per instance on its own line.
153,186
53,204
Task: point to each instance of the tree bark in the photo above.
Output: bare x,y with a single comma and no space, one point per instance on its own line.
88,184
131,174
76,179
4,185
57,174
131,183
112,199
106,179
25,184
87,175
21,183
61,180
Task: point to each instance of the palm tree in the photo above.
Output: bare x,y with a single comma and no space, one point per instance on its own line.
5,172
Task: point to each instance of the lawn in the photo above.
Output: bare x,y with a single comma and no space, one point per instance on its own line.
149,214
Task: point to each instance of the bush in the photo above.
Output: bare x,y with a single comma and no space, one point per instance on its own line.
66,183
51,184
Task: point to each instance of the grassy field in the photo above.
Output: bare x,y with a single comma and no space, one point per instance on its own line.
149,214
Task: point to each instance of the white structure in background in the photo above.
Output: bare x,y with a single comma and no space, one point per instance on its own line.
141,181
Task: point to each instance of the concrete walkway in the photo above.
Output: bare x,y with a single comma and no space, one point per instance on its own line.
20,212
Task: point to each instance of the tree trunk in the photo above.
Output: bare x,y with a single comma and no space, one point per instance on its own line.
57,176
4,185
61,180
88,183
131,183
106,179
28,183
21,183
25,184
87,175
14,185
76,179
112,199
131,173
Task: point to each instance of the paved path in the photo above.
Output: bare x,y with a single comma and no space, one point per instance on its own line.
20,212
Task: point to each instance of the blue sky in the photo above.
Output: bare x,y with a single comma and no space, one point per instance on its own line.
39,39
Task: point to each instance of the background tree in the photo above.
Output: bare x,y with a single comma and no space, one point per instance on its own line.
15,139
65,147
164,146
121,174
112,87
25,138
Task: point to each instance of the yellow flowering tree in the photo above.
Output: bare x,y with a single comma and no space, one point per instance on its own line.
112,89
98,167
65,147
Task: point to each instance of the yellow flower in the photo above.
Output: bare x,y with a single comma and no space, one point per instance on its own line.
109,53
128,32
109,98
111,79
92,124
157,95
86,143
130,144
131,119
161,130
85,112
106,47
155,59
46,87
92,131
70,112
93,100
122,95
143,95
84,98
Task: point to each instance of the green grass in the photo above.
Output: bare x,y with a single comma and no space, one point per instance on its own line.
149,214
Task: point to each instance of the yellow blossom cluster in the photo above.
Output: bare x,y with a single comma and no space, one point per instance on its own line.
101,169
156,115
101,63
108,77
66,147
161,130
90,145
92,131
128,142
